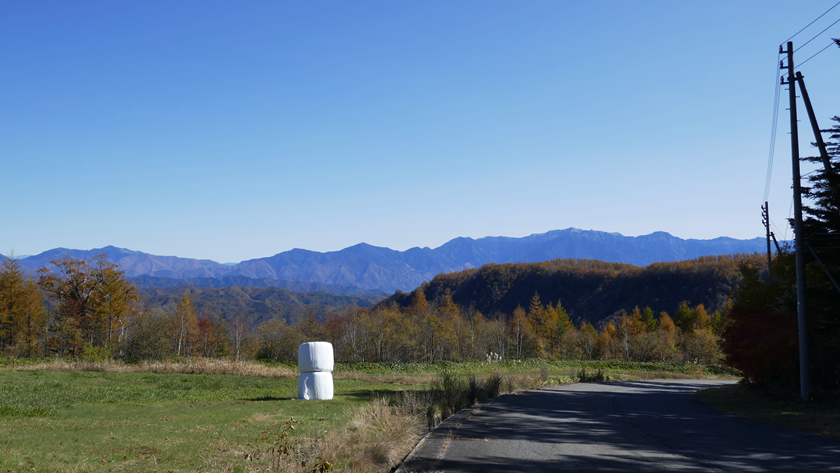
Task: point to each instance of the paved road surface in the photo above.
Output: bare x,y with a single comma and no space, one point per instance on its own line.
617,427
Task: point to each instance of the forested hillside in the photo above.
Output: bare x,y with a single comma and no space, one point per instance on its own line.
230,281
256,304
592,291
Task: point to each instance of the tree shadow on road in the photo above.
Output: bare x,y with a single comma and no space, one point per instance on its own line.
621,426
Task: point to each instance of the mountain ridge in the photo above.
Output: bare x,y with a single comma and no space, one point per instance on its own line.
364,268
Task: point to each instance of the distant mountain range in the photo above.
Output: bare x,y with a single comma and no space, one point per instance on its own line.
364,268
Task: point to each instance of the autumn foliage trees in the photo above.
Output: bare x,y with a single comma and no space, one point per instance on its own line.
89,309
23,317
442,331
91,303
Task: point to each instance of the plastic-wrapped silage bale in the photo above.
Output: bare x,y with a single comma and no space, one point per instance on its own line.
315,385
315,356
315,362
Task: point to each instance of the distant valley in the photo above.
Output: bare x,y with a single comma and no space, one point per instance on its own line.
367,269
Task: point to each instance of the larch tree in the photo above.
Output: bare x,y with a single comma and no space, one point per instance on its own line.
607,343
90,301
185,323
536,316
625,331
588,341
701,318
648,319
564,323
23,317
666,334
520,331
684,318
548,330
419,304
238,331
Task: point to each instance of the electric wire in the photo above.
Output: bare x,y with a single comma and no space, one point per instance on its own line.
815,55
817,35
773,128
811,23
773,224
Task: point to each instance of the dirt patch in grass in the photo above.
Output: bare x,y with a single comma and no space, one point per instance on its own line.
821,417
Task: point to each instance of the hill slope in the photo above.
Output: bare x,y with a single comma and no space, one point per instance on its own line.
589,290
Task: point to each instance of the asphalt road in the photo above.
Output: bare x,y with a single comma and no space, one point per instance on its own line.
617,427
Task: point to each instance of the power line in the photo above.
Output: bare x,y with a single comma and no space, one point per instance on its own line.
817,35
773,224
832,43
773,128
811,23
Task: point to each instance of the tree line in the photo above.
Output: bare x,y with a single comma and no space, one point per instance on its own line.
89,309
762,339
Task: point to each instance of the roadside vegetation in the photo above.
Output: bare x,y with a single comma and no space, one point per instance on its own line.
821,416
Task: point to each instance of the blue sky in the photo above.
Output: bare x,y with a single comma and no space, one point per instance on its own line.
230,131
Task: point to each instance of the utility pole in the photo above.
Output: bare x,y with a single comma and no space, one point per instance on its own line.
829,171
799,234
778,248
765,219
817,135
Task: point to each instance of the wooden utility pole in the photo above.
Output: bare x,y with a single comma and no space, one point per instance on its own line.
799,234
816,128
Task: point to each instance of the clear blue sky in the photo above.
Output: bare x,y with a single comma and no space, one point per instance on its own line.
237,130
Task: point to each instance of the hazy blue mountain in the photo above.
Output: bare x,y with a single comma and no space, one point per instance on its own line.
135,263
366,268
590,244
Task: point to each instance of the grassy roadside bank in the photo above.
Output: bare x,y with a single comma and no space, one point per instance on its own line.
820,417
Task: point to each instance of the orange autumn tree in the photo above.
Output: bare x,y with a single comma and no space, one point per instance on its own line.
22,314
91,303
185,327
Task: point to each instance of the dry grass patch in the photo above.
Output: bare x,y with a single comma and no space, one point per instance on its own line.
377,438
190,366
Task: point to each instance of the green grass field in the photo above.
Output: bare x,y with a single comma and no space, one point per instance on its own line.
114,421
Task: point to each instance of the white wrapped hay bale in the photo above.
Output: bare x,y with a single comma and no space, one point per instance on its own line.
316,385
315,356
315,362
